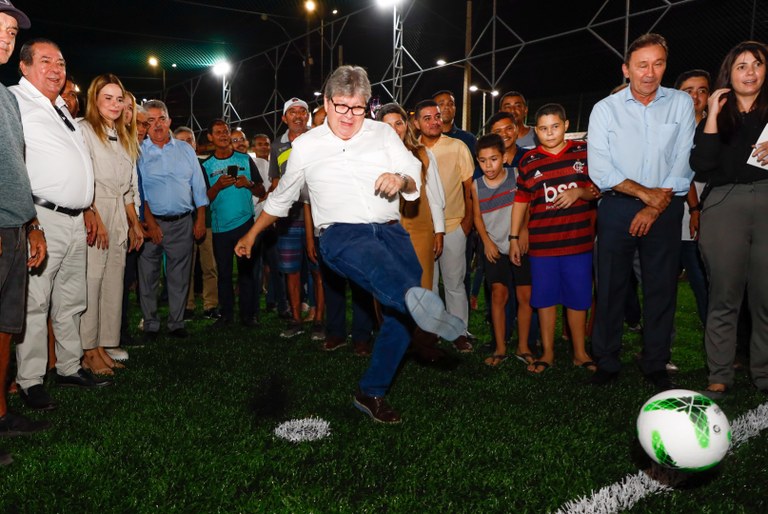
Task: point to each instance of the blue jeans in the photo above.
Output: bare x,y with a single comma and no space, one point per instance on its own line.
380,259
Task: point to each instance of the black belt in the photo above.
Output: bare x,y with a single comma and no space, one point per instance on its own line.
58,208
390,222
173,217
616,194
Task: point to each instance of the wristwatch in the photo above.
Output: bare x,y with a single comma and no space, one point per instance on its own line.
32,227
405,179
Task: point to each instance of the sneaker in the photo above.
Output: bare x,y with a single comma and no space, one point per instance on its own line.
660,380
376,407
318,331
189,314
293,329
334,343
463,345
212,313
429,313
635,329
672,368
15,424
117,354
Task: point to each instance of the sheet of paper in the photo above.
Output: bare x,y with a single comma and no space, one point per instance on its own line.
752,160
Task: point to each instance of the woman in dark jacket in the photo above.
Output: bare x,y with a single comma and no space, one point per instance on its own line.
734,220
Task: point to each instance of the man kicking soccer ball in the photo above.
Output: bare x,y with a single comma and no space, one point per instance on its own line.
354,169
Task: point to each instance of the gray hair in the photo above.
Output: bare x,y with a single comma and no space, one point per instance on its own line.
140,109
183,128
348,81
156,104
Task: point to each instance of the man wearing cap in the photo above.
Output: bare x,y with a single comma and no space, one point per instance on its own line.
18,223
290,229
61,176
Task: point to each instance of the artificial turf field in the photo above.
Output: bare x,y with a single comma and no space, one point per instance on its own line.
188,427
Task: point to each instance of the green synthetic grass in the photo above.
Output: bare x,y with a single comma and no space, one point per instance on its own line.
188,427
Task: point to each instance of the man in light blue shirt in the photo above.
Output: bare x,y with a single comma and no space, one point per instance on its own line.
175,198
639,143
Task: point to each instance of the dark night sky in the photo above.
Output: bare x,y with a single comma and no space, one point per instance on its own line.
575,69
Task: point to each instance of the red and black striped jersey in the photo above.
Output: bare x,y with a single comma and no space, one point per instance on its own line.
541,177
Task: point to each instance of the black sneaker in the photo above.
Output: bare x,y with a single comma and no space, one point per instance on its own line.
15,424
189,314
36,397
293,329
212,313
660,380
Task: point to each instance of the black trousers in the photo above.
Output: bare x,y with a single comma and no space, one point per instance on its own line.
659,252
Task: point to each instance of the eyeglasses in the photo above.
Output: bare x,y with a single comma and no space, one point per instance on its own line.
357,110
238,139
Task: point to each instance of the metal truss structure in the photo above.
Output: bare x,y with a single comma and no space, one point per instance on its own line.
396,82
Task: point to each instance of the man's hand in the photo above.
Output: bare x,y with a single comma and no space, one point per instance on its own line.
311,249
38,248
245,245
438,248
643,220
154,232
389,185
226,180
656,197
199,229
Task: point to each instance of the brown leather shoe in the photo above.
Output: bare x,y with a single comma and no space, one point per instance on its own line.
376,407
463,345
363,348
334,343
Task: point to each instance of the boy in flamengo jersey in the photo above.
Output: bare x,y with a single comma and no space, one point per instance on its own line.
553,181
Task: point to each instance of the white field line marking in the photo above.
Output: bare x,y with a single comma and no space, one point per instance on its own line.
623,495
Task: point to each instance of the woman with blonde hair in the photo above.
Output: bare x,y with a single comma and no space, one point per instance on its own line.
114,149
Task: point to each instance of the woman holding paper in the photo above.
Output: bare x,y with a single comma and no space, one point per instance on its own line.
731,155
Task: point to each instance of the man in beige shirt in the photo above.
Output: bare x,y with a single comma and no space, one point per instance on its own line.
455,166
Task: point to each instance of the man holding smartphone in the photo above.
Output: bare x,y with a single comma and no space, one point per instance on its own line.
233,180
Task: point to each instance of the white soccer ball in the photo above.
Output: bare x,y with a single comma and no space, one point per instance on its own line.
683,430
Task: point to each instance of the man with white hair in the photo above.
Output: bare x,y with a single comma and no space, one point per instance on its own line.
355,170
174,208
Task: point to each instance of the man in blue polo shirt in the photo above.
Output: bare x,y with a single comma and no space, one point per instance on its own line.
233,180
174,190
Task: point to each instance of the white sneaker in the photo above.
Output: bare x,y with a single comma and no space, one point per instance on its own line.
117,353
429,313
671,367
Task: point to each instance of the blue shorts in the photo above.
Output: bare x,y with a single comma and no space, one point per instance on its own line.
562,280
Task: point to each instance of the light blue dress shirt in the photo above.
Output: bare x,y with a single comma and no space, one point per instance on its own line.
647,144
172,182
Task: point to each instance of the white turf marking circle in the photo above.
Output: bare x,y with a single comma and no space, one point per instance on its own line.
623,495
307,429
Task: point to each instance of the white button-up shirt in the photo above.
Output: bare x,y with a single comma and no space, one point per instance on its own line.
340,175
58,161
